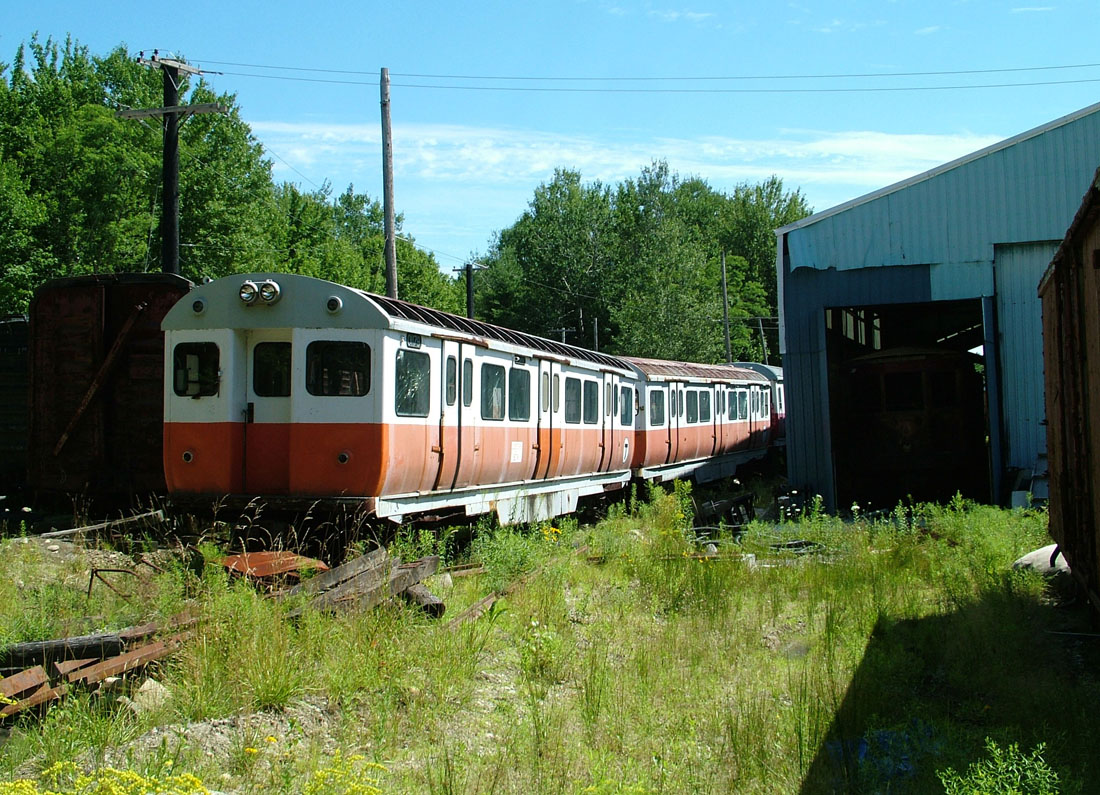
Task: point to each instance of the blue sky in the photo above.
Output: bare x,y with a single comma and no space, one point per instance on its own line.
731,92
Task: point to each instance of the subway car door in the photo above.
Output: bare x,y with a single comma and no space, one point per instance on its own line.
544,421
450,429
606,434
267,411
468,444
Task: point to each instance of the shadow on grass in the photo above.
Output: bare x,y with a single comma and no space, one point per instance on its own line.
929,691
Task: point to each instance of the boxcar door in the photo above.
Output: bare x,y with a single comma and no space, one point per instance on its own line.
267,411
450,428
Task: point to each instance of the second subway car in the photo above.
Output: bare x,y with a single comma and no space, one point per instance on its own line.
299,391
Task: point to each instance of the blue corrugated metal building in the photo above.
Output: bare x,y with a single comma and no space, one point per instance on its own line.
949,259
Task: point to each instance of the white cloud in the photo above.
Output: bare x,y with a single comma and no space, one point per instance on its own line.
677,16
1031,9
928,30
457,184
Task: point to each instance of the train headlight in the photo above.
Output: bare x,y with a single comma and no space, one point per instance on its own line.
248,292
333,304
270,292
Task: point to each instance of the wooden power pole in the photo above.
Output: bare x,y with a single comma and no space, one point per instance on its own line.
173,115
387,188
726,311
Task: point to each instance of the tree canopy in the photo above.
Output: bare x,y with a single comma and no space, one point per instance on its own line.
632,268
80,188
636,268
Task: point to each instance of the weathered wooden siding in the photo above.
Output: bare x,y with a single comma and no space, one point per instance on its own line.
1071,350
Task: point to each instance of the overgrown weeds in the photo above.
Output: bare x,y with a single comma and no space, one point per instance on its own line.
874,654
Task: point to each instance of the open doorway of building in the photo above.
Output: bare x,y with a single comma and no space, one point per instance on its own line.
909,416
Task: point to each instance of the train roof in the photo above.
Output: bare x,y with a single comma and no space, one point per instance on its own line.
659,369
769,371
304,303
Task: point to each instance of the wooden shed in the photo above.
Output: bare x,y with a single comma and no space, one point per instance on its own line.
1070,295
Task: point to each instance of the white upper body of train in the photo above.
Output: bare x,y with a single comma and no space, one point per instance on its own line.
296,389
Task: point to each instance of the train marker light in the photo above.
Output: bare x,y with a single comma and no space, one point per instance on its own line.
270,292
248,292
333,304
198,306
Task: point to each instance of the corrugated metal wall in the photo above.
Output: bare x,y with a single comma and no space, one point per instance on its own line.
1018,270
948,222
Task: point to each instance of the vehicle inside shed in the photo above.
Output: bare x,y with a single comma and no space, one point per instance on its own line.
909,409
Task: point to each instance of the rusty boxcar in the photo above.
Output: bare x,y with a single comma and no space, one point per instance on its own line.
1070,294
13,403
96,369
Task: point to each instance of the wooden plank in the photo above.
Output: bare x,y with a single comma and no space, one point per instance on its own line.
474,611
325,581
364,593
61,669
23,681
128,661
150,515
40,696
41,651
365,581
431,604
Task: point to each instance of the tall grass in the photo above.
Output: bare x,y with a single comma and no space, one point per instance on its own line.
818,655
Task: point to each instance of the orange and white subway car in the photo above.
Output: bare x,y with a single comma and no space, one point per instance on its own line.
297,390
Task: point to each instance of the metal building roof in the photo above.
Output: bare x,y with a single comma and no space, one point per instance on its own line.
954,213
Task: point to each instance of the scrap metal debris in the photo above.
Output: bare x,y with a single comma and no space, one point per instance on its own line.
80,662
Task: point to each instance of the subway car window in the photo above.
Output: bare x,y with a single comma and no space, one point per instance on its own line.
519,394
545,392
656,408
591,402
743,404
271,369
692,406
704,407
195,366
572,400
626,406
492,392
452,380
337,368
412,388
557,393
467,382
607,399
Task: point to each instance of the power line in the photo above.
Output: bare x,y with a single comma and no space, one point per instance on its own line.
572,90
696,78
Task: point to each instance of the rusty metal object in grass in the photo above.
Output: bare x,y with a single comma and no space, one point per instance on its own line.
97,574
266,565
124,663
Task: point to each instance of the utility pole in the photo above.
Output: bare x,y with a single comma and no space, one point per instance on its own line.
726,311
763,339
387,190
173,115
